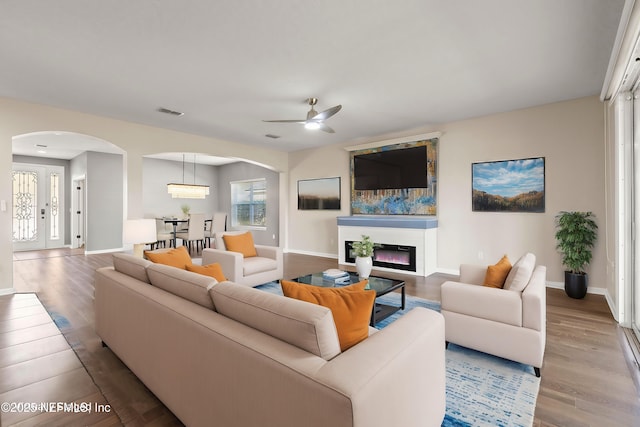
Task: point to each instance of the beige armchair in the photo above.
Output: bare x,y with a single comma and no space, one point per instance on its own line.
251,271
509,323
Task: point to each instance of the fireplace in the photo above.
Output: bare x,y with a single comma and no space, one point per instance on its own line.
417,235
397,257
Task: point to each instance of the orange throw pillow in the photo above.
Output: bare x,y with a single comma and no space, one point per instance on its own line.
497,274
350,305
242,243
213,270
179,257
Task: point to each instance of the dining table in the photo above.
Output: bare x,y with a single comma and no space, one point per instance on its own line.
175,222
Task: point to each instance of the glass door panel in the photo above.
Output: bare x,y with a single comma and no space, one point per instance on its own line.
28,204
38,192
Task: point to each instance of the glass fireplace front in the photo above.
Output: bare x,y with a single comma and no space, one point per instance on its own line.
397,257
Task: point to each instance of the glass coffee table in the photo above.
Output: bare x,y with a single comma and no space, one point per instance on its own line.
381,285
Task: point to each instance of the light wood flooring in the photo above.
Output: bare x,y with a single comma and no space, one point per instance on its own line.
588,376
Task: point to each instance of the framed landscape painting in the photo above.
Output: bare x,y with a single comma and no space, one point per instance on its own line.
323,194
508,185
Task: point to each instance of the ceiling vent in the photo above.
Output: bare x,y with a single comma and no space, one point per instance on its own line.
172,112
272,136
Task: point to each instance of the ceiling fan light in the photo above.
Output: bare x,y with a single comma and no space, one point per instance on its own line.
312,125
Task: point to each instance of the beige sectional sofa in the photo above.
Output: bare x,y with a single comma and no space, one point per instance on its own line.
229,355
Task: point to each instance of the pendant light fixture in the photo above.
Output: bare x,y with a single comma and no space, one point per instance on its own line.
188,191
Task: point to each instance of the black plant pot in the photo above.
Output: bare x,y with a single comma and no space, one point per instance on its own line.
575,284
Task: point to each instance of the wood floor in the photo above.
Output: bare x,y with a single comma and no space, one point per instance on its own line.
588,377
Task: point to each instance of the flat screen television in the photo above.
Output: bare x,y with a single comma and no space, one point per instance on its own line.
393,169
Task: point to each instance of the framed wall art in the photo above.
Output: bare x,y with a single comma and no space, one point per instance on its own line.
319,194
508,185
395,179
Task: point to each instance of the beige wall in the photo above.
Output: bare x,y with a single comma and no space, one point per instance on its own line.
570,135
137,140
310,231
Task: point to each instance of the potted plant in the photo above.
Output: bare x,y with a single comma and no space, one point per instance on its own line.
576,233
363,250
185,210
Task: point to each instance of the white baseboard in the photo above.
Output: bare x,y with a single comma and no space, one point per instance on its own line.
451,271
318,254
612,306
7,291
104,251
590,289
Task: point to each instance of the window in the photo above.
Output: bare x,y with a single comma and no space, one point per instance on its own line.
25,206
249,203
54,194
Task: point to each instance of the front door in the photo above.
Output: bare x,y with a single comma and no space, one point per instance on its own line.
38,194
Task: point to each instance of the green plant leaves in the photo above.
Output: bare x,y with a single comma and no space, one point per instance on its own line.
364,247
576,233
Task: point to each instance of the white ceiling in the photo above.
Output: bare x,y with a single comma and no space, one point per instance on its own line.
394,66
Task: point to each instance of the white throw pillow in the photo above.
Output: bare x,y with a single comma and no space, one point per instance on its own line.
520,273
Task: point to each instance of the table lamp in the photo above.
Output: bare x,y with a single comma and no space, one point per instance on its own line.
139,232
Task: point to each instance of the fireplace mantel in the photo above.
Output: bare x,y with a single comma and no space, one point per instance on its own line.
417,231
395,221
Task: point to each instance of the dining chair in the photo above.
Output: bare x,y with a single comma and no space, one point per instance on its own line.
195,232
163,235
218,225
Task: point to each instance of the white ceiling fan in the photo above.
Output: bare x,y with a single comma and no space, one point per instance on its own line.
314,119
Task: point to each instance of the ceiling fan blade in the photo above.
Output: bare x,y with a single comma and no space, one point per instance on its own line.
285,121
325,128
327,113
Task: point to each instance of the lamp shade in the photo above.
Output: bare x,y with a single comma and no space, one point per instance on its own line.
138,232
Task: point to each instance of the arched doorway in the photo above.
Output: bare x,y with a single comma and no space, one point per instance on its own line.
219,173
48,210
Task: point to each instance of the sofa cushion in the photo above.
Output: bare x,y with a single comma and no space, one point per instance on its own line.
242,243
257,264
186,284
520,273
212,270
178,257
497,273
306,326
131,266
219,238
351,307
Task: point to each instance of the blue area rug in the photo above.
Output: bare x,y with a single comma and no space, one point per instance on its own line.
482,390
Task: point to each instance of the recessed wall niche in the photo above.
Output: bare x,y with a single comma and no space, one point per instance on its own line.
395,179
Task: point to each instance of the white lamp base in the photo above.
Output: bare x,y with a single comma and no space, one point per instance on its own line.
138,250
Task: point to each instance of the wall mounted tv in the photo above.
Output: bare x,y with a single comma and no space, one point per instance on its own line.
392,169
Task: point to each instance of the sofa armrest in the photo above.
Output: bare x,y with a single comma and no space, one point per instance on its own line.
472,274
230,262
534,301
498,305
272,252
405,360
